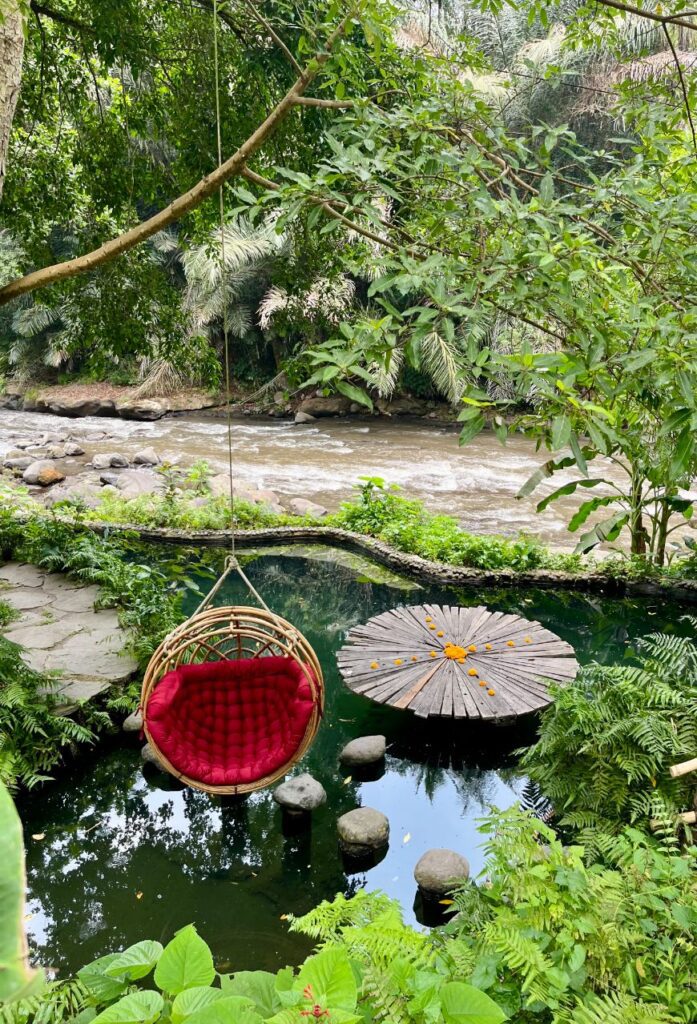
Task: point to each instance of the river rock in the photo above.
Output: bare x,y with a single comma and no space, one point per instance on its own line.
304,507
73,449
85,490
439,871
220,487
150,757
364,750
146,457
42,472
331,405
304,417
70,406
401,406
134,482
134,723
101,461
303,793
20,462
118,461
362,830
109,479
142,408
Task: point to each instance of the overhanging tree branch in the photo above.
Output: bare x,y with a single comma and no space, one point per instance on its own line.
662,19
183,204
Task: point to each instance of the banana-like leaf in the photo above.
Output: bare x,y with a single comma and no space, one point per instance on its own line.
609,529
17,978
568,489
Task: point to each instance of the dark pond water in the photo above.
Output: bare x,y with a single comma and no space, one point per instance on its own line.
126,855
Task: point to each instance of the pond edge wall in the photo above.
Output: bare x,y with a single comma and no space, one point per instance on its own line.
408,564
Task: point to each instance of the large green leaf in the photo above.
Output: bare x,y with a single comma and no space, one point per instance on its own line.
568,489
608,530
585,510
186,962
543,473
229,1010
354,393
193,999
465,1004
330,978
683,453
98,983
561,432
136,961
259,986
17,979
136,1008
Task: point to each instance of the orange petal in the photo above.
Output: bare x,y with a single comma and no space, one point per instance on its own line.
398,661
491,692
373,664
440,633
472,672
509,643
472,648
414,658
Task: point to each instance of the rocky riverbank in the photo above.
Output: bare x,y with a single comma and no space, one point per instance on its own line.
84,465
99,399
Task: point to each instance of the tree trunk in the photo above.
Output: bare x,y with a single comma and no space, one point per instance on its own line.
11,53
636,521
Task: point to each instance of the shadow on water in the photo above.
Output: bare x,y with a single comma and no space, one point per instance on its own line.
128,853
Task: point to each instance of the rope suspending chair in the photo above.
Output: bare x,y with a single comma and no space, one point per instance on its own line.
233,697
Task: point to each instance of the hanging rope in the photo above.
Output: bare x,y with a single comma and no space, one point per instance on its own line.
231,562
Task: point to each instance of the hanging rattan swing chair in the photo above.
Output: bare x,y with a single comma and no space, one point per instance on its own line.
233,697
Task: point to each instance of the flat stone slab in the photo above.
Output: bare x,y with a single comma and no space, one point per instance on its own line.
60,631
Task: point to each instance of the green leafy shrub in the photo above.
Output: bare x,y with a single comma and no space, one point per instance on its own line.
188,990
608,738
558,941
405,524
182,512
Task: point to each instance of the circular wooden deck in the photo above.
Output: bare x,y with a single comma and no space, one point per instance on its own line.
455,662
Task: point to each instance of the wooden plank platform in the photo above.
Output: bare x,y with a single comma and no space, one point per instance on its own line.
450,662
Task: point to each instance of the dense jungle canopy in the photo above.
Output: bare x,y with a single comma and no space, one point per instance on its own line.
490,201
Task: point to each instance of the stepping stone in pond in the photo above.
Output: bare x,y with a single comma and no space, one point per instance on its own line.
300,794
362,830
364,750
438,872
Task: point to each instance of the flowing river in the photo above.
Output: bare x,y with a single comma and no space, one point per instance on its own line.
323,461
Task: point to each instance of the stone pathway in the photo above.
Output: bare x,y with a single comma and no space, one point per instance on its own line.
60,631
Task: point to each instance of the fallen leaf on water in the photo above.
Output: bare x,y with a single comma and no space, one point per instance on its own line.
407,837
39,835
284,917
446,903
349,778
139,895
28,917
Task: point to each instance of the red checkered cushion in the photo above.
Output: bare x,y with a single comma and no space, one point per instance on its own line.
227,723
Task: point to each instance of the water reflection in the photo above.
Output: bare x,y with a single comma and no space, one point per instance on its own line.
128,854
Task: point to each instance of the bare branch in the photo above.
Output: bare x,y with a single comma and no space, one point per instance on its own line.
276,38
59,17
311,101
683,86
662,19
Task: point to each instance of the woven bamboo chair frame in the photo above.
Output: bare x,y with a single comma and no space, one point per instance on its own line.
217,634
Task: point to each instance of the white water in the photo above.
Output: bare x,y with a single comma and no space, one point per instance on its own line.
323,461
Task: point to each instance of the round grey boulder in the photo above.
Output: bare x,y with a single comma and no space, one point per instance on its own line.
439,871
101,461
304,417
362,830
42,472
364,750
305,507
117,461
134,723
150,757
146,457
303,793
73,449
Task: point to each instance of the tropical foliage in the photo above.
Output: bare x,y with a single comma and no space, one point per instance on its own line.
607,739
